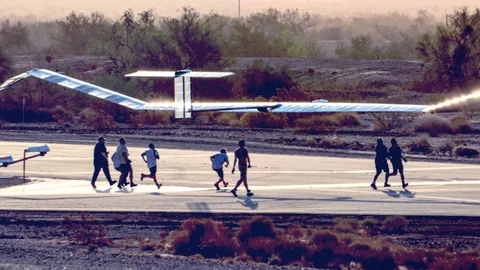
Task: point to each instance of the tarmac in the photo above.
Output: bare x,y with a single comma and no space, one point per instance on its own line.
281,183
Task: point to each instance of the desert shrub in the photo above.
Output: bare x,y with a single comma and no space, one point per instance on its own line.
332,143
263,120
291,250
447,148
87,231
2,123
433,125
370,222
150,118
60,114
465,151
202,236
394,224
311,142
420,145
147,245
97,120
226,118
345,224
256,227
461,125
315,124
388,121
348,119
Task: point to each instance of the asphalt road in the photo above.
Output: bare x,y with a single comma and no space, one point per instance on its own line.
281,183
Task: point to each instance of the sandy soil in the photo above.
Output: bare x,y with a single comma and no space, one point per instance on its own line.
37,240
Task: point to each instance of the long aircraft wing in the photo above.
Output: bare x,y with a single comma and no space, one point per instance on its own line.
274,107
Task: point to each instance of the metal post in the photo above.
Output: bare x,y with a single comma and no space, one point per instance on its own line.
238,8
23,110
24,164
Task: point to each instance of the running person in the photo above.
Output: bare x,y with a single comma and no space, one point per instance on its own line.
125,164
217,165
395,153
241,154
151,159
100,162
381,163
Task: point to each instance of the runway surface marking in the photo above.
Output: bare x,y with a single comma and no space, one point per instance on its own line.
253,171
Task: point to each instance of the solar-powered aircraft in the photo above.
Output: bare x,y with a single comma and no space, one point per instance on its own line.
184,107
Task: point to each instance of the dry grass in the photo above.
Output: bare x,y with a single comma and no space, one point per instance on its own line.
433,125
264,120
86,231
420,145
258,240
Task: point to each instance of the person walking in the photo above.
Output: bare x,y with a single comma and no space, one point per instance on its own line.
381,163
217,165
241,155
125,164
395,153
100,162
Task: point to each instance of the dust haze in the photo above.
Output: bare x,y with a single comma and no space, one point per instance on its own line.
49,9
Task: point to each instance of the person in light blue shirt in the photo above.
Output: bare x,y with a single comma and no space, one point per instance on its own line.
150,157
217,165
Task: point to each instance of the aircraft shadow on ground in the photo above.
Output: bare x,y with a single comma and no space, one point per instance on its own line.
199,206
337,199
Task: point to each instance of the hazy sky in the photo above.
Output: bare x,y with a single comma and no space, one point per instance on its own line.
113,8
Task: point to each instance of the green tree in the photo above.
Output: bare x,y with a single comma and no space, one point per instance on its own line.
452,54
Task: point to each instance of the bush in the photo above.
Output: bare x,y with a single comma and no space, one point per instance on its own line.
335,143
256,227
263,120
387,121
61,115
394,224
150,118
87,231
464,151
446,148
202,236
97,120
433,125
420,145
348,119
461,125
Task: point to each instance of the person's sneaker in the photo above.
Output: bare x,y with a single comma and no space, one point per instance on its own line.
373,186
216,185
93,185
226,184
386,185
141,177
113,183
405,185
133,185
234,192
159,186
249,194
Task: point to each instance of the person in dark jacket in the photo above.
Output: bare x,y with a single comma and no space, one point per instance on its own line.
100,162
395,153
381,163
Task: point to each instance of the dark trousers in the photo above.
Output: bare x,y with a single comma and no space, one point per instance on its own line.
106,171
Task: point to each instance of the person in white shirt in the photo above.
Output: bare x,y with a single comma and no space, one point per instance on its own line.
125,164
150,157
217,165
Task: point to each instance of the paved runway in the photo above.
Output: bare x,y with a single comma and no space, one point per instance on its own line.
281,183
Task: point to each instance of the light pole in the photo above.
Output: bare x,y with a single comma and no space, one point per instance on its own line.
238,8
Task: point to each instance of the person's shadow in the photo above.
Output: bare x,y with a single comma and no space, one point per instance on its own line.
249,203
408,194
108,190
392,193
124,190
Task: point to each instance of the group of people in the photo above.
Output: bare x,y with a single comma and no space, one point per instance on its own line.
394,154
122,163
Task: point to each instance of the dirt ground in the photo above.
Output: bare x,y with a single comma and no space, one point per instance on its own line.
38,240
